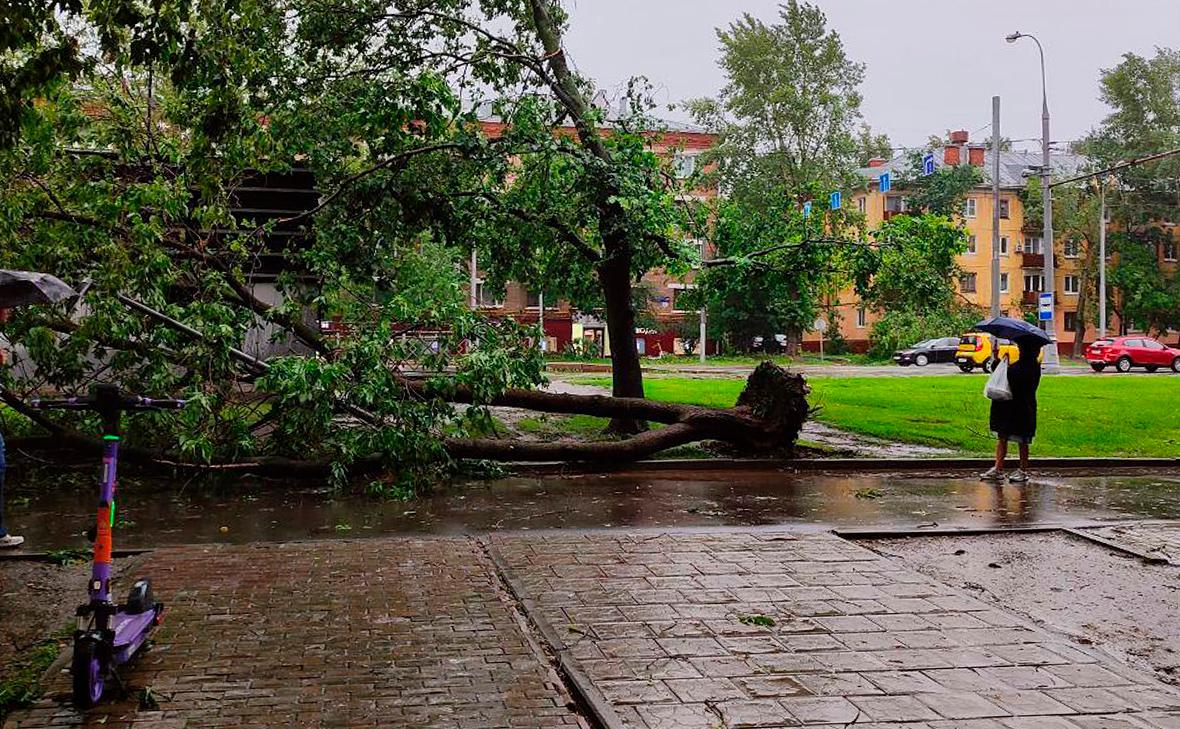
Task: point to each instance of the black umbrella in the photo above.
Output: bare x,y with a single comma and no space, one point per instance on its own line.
1017,330
21,288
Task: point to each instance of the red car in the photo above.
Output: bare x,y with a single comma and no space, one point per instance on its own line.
1132,351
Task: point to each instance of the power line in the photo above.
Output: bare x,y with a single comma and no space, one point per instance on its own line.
1119,166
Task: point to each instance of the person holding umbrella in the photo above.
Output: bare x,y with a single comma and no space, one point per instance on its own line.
1015,420
21,288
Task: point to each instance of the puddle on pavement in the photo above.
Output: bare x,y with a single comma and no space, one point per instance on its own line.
152,514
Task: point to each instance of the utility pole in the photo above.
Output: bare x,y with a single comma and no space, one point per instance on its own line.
474,273
1101,259
544,341
704,343
995,206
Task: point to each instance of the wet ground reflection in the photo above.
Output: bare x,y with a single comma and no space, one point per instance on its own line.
155,514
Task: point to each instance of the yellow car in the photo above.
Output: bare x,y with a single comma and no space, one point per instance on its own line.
975,350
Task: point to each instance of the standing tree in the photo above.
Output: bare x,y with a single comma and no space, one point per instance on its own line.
789,127
1144,96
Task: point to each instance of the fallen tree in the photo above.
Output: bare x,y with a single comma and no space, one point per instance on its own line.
766,420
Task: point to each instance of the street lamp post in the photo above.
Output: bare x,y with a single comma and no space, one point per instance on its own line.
1051,360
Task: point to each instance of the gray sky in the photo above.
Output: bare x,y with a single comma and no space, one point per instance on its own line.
932,65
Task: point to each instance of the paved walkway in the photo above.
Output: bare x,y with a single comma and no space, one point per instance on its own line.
775,629
388,632
727,629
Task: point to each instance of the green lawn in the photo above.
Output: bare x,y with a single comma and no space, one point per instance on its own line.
1079,416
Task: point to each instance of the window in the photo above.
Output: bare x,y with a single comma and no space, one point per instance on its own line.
969,208
1070,248
971,245
860,204
1133,343
1034,282
1004,209
1033,244
1003,283
1170,250
683,165
1003,245
1072,285
485,296
1152,344
967,283
1071,321
894,204
861,317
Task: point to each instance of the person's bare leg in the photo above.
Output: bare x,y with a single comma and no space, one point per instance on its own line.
1001,452
1024,457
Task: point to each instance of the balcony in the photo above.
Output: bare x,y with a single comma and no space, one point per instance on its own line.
1032,260
1030,298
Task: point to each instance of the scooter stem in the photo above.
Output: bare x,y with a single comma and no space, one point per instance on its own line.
100,575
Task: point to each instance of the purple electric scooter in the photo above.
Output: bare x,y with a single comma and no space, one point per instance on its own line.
108,635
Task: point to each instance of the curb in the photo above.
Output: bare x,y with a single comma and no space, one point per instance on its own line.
815,465
581,687
19,556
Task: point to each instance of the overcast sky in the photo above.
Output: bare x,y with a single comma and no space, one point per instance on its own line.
932,65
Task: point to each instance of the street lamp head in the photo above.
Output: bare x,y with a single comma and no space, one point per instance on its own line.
1014,37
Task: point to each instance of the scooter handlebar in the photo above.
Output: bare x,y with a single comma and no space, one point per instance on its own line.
135,402
69,403
150,403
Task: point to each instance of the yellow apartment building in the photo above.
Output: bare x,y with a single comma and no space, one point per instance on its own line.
1022,252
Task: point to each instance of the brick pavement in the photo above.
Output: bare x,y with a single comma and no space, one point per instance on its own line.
671,631
383,632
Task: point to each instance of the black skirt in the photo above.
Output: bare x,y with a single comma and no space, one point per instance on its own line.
1018,416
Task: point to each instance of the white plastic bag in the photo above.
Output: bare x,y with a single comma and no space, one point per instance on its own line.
997,387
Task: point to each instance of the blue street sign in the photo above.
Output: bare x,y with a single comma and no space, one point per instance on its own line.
928,164
807,209
883,182
834,200
1045,306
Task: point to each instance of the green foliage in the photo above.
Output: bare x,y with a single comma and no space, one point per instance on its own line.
790,110
901,328
127,178
776,277
1144,119
913,265
1148,295
943,192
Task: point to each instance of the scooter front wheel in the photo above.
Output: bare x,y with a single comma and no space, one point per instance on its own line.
89,672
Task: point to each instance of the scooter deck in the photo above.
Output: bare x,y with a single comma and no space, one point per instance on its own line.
131,630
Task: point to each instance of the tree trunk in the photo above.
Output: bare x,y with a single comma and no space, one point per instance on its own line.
1079,337
614,275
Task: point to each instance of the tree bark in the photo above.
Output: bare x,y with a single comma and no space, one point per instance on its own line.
614,276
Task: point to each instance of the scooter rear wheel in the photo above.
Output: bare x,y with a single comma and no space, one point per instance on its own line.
89,673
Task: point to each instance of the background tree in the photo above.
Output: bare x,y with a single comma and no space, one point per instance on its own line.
772,271
1143,94
1144,97
789,127
908,276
